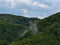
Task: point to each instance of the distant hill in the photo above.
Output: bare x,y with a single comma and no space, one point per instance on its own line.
46,22
49,32
12,27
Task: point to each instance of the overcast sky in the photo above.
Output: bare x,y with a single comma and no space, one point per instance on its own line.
30,8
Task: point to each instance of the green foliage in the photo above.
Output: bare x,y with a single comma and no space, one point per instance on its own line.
49,29
39,39
45,23
12,26
10,32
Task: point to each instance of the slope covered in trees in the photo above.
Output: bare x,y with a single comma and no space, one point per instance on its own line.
13,19
12,27
49,32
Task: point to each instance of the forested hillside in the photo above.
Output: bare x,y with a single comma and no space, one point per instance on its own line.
12,27
49,32
13,19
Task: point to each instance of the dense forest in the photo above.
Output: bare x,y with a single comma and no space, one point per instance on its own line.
12,27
